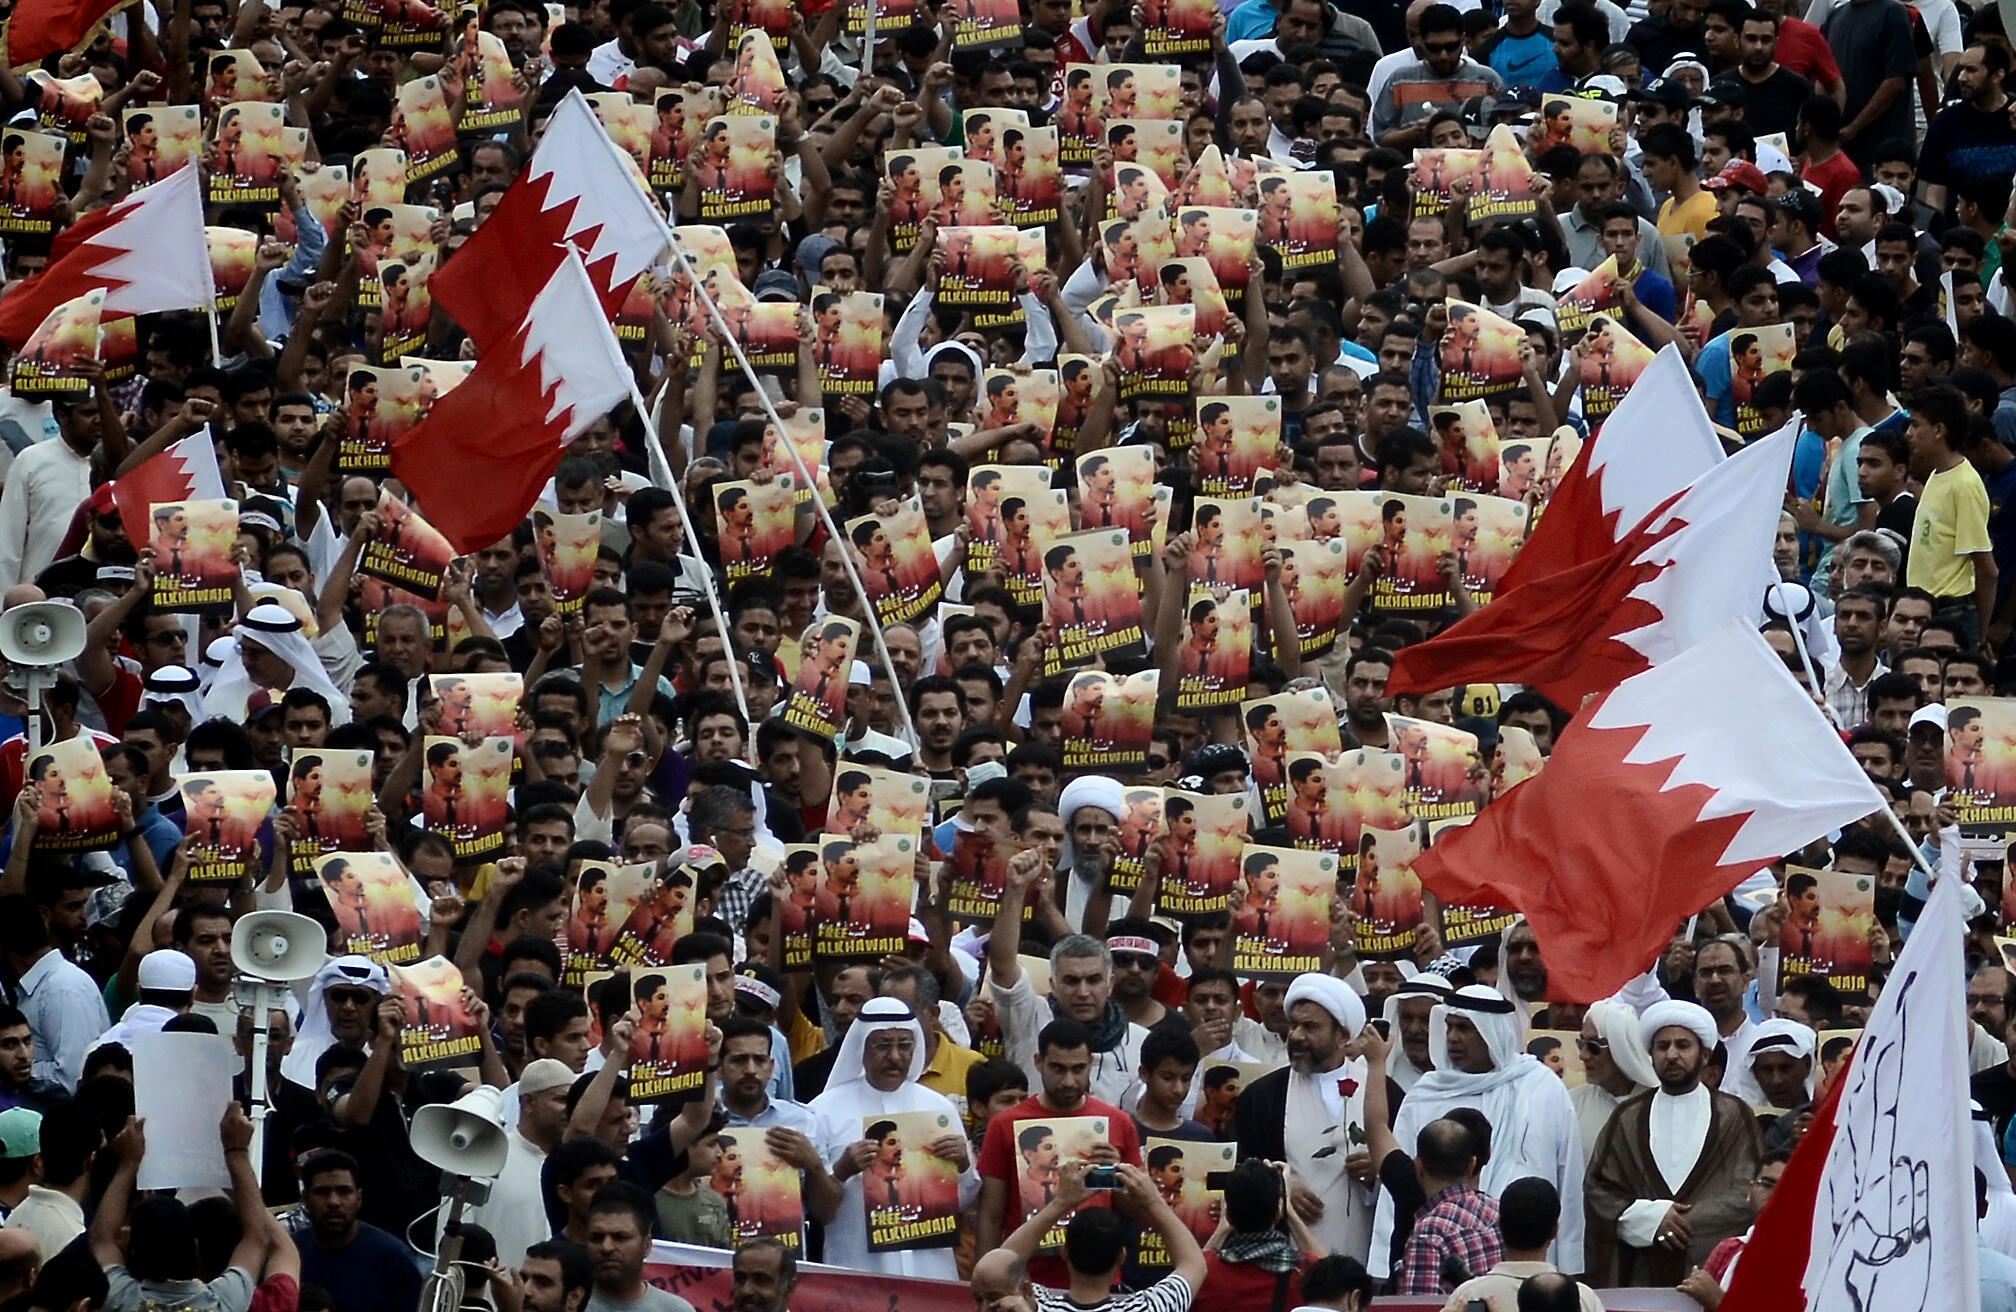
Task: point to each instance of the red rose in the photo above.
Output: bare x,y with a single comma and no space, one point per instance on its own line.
1347,1086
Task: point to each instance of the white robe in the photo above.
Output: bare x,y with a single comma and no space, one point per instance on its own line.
1319,1121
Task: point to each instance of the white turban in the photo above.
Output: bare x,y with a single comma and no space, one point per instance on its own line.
1331,994
960,349
1617,1025
1687,1015
1086,790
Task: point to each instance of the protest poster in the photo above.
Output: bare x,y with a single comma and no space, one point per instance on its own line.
1229,535
1223,238
74,810
191,544
1465,431
1027,527
567,546
1092,600
380,406
485,704
232,253
1612,362
1028,177
984,25
1214,180
1414,533
660,912
1020,396
1298,217
246,155
804,433
1273,727
236,76
772,18
763,1191
818,698
679,112
1314,576
1464,925
731,163
1220,1083
861,910
1116,490
1507,187
979,267
893,801
406,550
605,895
1203,835
372,898
160,141
1754,355
768,333
976,874
1131,250
1584,122
1479,354
1177,27
52,361
32,182
66,104
1237,436
1140,826
1514,760
899,570
1981,762
463,793
491,95
899,13
1108,720
1155,349
630,126
406,304
668,1049
1282,926
329,798
1180,1168
1562,448
1359,788
1043,1144
1485,535
1150,147
181,1084
1436,172
910,1192
439,1029
754,522
1440,765
847,339
757,84
424,128
118,347
378,178
1827,930
1386,894
223,813
1595,294
1215,662
914,175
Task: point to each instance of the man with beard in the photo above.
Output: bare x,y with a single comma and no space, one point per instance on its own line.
1721,976
1081,989
1302,1114
1668,1181
1520,952
1474,1040
1407,1011
875,1076
764,1273
1614,1067
1365,697
790,1128
1137,961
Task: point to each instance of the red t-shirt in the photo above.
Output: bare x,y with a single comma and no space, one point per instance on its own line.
1243,1285
1804,49
1000,1160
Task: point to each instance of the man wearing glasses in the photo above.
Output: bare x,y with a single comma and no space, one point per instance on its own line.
1442,78
157,638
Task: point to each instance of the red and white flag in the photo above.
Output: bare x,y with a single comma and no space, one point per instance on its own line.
146,253
1657,441
579,189
481,457
186,471
1698,560
40,28
1658,800
1876,1209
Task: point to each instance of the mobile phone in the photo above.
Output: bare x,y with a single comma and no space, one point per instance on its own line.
1384,1027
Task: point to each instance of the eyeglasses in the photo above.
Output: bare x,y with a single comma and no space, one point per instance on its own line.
1441,47
351,997
1134,961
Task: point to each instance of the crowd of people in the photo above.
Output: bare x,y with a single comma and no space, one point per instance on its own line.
1807,212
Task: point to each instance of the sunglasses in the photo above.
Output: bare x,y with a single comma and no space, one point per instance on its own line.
1592,1047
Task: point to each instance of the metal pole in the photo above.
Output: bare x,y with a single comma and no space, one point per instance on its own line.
728,342
1805,657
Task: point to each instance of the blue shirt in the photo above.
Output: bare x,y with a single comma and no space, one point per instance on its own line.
1655,293
1524,60
1713,366
1251,21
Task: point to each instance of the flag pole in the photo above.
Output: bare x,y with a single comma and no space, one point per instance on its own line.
1805,657
728,342
656,456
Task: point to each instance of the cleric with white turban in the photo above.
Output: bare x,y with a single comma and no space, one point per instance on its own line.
1084,870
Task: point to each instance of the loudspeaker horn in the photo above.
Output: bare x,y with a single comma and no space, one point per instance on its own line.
41,633
281,946
465,1137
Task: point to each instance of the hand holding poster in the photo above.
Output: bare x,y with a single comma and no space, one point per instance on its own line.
1108,721
190,549
893,801
405,549
1179,1169
847,340
1754,354
440,1031
1436,173
763,1191
1092,600
567,546
161,139
246,155
605,896
731,166
1281,927
1286,723
1236,437
1479,354
757,84
978,266
1116,490
371,895
223,812
1215,661
1486,533
1314,576
1203,835
464,796
660,913
899,570
1827,930
1599,293
329,799
1415,532
976,874
1229,535
1981,762
74,809
1298,217
380,407
754,522
1507,186
668,1046
911,1188
862,912
1140,826
1043,1146
1443,774
52,361
1334,798
1611,361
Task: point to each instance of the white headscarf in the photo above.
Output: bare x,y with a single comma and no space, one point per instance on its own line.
1426,984
275,629
1498,1025
876,1015
312,1036
1331,994
1687,1015
1617,1025
173,685
1781,1035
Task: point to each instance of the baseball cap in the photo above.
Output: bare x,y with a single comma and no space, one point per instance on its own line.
1607,85
20,1133
775,285
1739,173
167,971
1933,715
1665,92
1727,95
